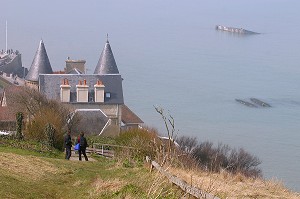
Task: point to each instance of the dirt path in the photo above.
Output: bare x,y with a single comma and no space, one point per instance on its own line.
75,157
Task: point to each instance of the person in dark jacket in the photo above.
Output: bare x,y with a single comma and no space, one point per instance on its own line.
68,144
83,145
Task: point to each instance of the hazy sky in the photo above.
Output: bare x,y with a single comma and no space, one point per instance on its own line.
78,28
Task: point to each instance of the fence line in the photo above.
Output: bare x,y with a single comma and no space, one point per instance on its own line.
194,191
104,149
112,145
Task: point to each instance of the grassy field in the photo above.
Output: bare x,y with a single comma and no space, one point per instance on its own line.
26,174
28,170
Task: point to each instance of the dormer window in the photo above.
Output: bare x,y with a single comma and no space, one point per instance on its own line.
107,95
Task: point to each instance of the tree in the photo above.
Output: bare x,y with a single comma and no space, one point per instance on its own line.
170,127
38,112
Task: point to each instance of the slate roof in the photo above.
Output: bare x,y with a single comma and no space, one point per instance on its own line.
128,117
40,64
49,85
106,63
91,121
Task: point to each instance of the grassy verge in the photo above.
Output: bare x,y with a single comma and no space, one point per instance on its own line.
26,174
226,185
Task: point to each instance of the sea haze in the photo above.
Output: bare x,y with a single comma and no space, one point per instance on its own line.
170,55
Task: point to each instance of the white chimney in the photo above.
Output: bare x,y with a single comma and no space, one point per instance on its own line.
99,91
65,91
82,92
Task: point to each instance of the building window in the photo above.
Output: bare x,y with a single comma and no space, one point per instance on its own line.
107,95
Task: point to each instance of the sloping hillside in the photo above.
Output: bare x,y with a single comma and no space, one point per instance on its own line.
28,175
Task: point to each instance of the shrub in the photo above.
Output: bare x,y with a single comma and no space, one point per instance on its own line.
214,159
187,144
11,141
100,139
143,142
39,111
240,161
223,157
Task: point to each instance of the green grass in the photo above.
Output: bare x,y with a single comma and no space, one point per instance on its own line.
31,175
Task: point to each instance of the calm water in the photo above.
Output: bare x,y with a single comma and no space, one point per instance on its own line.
170,55
196,73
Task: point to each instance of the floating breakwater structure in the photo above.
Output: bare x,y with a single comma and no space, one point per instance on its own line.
259,102
256,103
235,30
245,103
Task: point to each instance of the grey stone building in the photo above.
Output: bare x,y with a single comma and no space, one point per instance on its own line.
97,99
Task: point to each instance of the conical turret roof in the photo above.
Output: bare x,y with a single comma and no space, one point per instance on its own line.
106,63
40,64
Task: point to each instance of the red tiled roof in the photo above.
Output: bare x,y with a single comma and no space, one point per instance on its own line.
6,115
128,117
13,89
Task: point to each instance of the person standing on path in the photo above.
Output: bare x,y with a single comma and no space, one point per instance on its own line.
68,145
83,145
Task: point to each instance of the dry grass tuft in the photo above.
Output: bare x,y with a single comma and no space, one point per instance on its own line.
100,186
162,188
29,167
226,185
78,183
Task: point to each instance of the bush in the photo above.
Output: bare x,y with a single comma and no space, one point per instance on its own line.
100,140
143,142
39,111
240,161
223,157
41,148
187,144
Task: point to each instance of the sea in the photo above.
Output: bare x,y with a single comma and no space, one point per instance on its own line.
171,56
195,73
